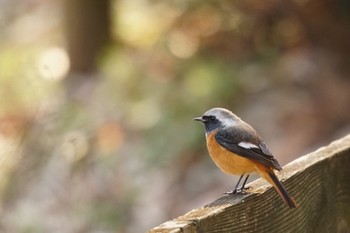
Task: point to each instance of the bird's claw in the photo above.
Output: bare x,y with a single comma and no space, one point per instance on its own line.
242,190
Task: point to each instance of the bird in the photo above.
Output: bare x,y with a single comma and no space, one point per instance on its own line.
237,149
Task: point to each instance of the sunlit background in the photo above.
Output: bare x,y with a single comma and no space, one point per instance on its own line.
97,97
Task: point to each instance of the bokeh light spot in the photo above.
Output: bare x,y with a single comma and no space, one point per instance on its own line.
110,137
200,81
183,45
53,63
144,114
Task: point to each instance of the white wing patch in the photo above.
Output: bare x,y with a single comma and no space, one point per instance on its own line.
248,145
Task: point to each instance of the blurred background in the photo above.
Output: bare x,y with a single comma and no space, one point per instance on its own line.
97,100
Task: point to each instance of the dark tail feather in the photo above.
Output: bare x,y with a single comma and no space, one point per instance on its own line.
281,190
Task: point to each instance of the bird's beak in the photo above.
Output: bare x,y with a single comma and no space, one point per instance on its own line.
199,119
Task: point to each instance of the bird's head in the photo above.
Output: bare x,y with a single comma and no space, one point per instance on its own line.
217,118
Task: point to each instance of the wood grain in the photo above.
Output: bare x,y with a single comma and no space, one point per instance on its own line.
319,183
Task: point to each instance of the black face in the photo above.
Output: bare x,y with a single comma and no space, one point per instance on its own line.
209,119
210,122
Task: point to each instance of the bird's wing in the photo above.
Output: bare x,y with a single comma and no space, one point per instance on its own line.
247,143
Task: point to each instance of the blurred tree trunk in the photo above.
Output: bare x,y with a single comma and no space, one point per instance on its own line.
87,32
87,24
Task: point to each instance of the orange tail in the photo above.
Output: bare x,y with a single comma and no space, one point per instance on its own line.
268,174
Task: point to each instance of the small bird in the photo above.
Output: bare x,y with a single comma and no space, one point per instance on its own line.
237,149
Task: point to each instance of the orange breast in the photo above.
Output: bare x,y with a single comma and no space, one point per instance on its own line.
227,161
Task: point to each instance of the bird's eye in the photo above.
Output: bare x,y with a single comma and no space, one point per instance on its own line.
212,118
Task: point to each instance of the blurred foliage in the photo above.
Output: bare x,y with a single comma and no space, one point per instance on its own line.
95,109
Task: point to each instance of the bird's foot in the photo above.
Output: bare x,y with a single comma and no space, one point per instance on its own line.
242,190
232,192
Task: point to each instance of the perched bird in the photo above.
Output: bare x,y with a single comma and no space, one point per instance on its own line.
237,149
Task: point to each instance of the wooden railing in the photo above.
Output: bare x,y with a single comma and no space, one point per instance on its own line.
319,183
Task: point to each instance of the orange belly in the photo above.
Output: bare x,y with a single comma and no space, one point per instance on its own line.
227,161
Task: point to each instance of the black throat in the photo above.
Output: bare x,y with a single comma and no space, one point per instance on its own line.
211,126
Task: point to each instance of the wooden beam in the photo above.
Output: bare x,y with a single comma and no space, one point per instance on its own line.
319,183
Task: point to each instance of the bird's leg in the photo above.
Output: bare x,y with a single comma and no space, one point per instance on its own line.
235,190
242,188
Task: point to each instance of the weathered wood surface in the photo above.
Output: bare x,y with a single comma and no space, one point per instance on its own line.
319,182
